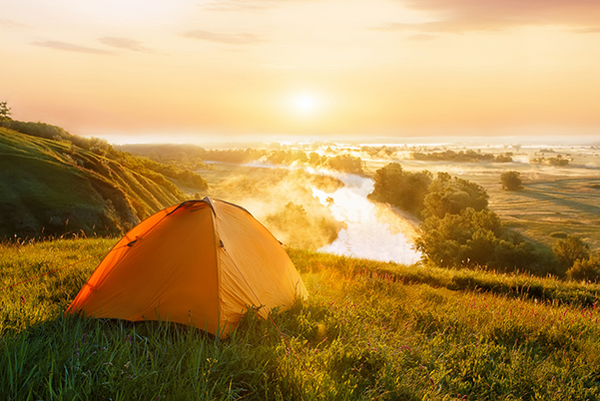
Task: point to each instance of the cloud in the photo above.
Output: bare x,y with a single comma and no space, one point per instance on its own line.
421,37
56,45
239,5
125,43
439,26
490,15
244,5
588,30
230,39
12,24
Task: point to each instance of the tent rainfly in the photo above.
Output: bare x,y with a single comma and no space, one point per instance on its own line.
200,263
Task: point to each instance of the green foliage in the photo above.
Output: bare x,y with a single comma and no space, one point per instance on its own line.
370,330
575,255
586,268
419,194
557,161
380,152
469,156
303,230
458,230
452,195
511,181
401,188
570,249
181,153
477,238
346,164
4,111
558,234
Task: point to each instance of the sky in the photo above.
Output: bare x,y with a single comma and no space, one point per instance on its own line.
158,70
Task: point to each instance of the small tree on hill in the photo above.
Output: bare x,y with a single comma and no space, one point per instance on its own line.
4,111
586,269
511,181
571,249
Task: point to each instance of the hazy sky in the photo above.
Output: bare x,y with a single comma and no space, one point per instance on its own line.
303,67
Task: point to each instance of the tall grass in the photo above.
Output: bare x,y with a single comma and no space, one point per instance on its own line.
369,331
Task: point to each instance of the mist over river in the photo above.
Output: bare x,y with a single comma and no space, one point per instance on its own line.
374,231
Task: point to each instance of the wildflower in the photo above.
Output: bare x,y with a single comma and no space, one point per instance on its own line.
22,299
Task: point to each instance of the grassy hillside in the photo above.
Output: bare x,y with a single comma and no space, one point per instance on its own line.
369,331
71,185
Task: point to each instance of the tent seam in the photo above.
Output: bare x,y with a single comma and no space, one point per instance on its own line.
217,245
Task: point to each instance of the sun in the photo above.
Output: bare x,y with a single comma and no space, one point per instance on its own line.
305,103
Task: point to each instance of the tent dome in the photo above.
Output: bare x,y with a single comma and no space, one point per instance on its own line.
199,263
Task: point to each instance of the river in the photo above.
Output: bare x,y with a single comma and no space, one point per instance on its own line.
374,231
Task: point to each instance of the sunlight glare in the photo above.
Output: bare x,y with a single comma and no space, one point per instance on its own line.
305,103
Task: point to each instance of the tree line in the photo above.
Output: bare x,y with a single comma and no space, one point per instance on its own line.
469,156
180,154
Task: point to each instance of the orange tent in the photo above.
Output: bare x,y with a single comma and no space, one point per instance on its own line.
199,263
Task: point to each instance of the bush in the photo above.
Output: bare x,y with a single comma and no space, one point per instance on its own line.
453,195
511,181
4,111
298,229
475,238
401,188
570,249
346,164
459,230
586,269
558,234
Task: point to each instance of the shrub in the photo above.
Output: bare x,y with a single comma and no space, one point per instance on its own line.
346,164
586,269
511,181
570,249
558,234
401,188
300,229
453,195
4,111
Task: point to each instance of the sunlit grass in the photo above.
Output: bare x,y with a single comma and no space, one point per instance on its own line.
369,331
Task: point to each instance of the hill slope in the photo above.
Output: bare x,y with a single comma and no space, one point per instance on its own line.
53,187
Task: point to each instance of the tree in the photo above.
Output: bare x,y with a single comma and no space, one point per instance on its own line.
346,164
453,195
478,238
401,188
586,269
4,111
511,181
571,249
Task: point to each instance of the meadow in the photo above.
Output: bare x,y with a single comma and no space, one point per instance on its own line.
369,331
